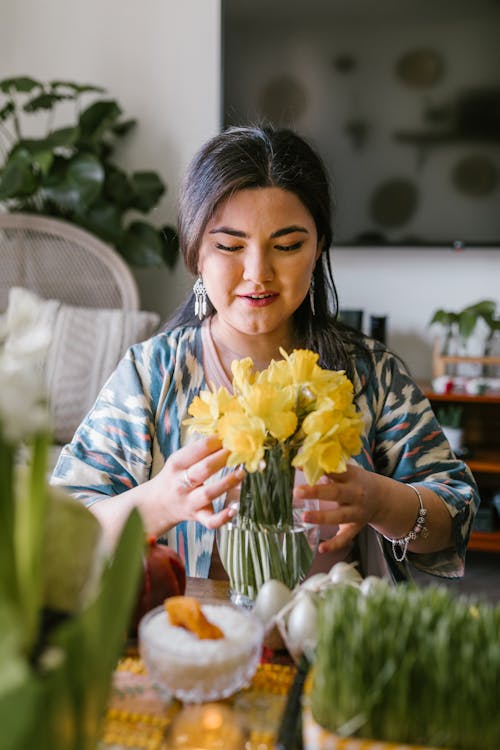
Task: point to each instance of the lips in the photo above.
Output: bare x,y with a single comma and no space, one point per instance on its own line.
259,299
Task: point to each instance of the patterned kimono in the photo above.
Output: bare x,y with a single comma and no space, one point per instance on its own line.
136,423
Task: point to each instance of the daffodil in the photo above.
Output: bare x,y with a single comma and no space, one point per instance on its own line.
207,408
244,437
275,406
292,414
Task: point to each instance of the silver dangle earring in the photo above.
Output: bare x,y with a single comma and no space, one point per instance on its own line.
200,298
311,295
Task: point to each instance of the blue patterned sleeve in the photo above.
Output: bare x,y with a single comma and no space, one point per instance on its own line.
405,442
111,450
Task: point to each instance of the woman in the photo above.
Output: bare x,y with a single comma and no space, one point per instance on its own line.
254,228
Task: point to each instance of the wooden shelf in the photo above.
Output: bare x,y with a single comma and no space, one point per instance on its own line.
486,541
486,461
493,397
480,420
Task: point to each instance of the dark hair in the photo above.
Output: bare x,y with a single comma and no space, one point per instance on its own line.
258,157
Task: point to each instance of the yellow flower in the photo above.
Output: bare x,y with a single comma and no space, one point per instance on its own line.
349,433
243,374
332,436
320,456
275,407
302,365
244,437
335,386
207,408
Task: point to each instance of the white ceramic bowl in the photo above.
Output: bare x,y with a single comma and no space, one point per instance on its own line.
194,670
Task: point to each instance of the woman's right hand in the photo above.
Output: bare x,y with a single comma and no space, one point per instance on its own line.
185,489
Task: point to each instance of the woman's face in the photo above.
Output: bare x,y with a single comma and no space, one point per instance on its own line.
256,259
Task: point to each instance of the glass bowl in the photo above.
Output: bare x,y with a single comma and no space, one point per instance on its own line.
194,670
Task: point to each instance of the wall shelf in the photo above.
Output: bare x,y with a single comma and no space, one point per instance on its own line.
481,419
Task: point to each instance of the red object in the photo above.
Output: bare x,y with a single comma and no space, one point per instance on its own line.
449,386
164,576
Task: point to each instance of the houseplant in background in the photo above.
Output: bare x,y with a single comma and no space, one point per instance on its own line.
64,604
293,414
450,419
70,171
459,326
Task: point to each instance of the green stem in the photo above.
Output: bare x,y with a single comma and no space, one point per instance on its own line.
8,572
31,514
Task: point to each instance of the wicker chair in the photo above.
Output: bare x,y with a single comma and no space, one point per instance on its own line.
57,260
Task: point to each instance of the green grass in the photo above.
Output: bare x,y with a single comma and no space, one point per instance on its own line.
409,665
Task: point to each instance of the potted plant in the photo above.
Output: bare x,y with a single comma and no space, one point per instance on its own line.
450,419
65,604
460,325
70,171
404,665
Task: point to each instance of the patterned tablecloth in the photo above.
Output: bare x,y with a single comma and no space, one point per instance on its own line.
139,718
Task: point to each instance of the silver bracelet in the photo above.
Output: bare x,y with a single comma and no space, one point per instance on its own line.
400,546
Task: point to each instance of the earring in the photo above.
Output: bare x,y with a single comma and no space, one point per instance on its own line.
311,295
200,298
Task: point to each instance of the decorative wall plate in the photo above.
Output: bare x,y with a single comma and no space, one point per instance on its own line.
283,100
420,68
475,175
394,202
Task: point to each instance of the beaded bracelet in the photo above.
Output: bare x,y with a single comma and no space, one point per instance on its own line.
419,528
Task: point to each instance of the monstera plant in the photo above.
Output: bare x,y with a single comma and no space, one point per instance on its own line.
70,171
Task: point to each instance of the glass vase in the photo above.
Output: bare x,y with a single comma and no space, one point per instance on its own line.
268,539
253,553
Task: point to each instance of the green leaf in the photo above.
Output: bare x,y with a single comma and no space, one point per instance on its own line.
8,573
467,322
103,219
141,245
117,187
148,188
444,317
97,118
78,186
63,137
77,88
15,666
93,641
170,244
43,101
19,710
17,178
22,84
6,111
124,127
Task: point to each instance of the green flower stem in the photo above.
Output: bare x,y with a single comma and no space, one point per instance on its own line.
263,542
31,514
8,573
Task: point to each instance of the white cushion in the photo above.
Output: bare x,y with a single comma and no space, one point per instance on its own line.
86,345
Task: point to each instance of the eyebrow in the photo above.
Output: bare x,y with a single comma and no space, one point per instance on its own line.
277,233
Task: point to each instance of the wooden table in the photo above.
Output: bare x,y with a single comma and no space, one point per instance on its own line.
138,717
206,588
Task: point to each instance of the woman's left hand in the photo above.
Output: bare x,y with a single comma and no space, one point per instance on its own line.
349,500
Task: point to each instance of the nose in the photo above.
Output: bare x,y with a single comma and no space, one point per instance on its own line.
258,267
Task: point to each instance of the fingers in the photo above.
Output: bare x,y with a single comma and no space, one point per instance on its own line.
343,538
196,462
207,517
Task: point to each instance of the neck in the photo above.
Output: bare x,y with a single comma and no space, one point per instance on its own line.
261,348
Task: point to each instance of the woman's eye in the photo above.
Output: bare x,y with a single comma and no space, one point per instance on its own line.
287,248
228,248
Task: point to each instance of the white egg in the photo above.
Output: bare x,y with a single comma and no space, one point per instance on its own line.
315,582
370,585
271,598
343,572
301,626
